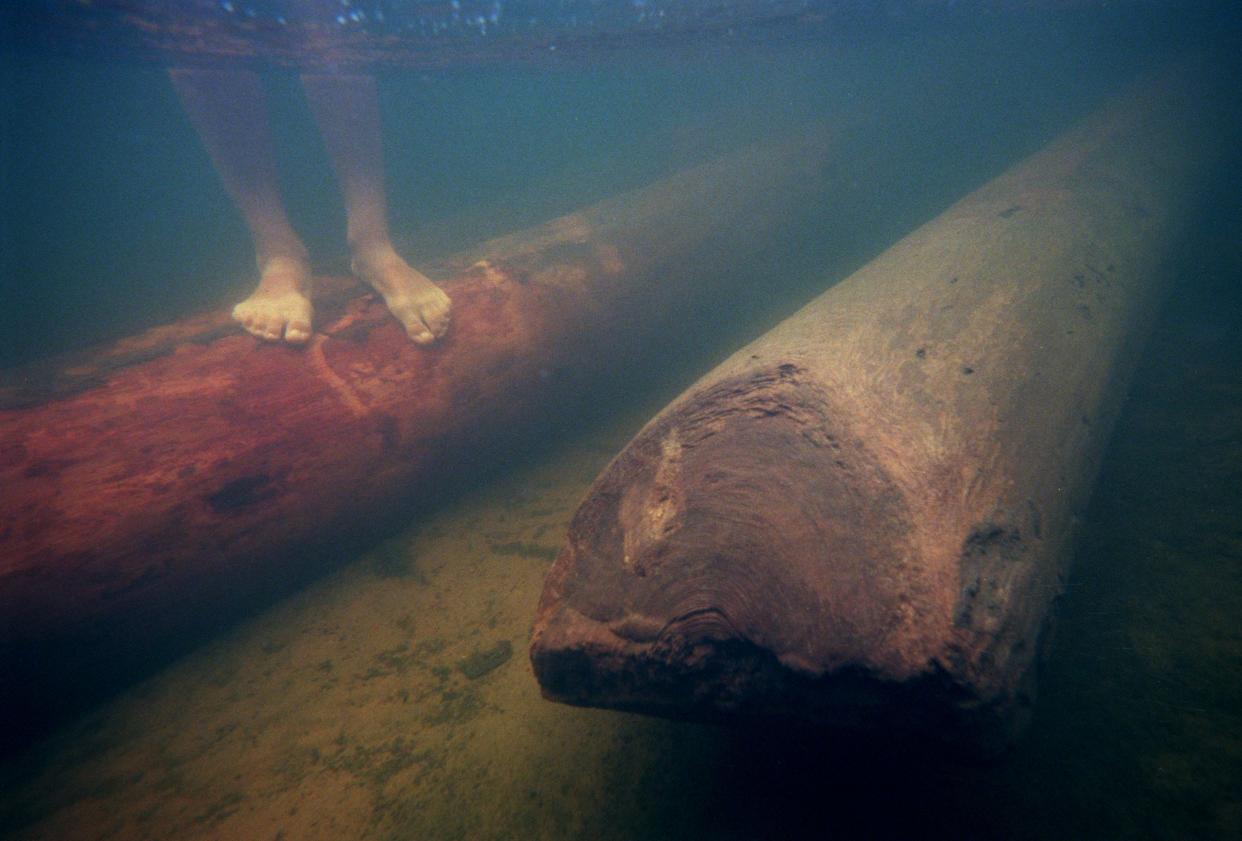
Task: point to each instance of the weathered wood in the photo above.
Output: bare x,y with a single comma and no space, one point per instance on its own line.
865,516
147,486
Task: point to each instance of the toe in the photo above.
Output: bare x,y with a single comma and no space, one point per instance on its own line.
268,327
438,326
420,335
243,316
297,332
438,318
249,321
286,317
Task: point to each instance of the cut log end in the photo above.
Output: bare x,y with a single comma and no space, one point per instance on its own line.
747,556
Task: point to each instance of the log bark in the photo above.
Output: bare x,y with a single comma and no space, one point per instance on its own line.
864,517
150,486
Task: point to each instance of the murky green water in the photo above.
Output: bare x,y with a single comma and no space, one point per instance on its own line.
393,698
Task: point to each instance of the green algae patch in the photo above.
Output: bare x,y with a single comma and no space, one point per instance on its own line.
485,660
376,764
456,707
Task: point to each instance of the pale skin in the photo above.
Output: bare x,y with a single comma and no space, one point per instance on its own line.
229,111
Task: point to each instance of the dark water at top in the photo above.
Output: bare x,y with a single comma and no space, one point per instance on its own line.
112,204
112,220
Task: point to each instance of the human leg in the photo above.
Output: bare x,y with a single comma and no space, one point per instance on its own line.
229,111
347,110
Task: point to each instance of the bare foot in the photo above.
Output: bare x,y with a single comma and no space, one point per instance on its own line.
420,305
280,307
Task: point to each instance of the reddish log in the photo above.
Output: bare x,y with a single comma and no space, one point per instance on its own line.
865,516
147,486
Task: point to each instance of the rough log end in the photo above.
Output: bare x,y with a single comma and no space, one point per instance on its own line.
746,556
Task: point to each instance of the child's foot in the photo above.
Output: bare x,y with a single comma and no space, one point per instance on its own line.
420,305
280,307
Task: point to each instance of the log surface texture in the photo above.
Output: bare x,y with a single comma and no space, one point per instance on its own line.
148,485
865,516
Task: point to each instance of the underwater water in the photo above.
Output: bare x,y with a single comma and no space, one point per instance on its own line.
385,690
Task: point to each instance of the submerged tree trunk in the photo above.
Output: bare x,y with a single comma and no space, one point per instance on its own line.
865,516
150,486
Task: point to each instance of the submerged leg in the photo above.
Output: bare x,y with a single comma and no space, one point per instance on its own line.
229,111
347,110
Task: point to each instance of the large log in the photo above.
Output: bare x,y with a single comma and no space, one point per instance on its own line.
150,486
864,517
